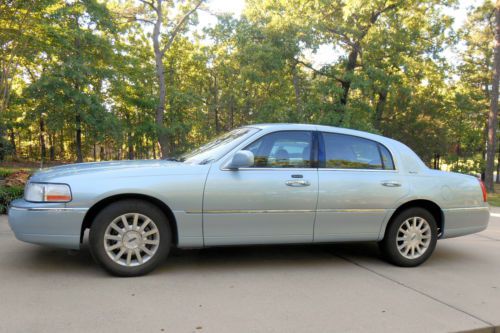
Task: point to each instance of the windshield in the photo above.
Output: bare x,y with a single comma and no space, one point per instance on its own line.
218,147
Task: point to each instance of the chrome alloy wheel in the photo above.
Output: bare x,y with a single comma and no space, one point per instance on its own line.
413,237
131,239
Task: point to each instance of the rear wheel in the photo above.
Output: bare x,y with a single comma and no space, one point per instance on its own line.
130,237
411,238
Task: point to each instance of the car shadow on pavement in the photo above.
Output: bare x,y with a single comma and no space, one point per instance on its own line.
219,259
47,260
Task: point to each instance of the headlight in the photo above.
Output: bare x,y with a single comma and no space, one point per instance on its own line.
39,192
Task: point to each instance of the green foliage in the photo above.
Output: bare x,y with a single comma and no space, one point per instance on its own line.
7,194
494,198
88,66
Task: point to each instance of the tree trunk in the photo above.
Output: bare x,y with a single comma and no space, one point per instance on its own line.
437,161
154,150
493,114
102,156
139,149
216,105
171,102
130,138
12,137
379,109
52,150
160,75
43,149
498,168
61,145
163,136
78,119
296,88
349,72
30,146
2,145
130,143
19,145
78,139
231,113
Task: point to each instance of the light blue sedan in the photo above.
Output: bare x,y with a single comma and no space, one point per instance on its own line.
259,184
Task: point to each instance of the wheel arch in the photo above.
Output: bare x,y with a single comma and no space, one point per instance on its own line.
428,205
98,206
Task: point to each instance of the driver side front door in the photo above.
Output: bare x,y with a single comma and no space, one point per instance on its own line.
274,201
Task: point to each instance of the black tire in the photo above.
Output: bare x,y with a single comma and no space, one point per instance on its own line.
389,245
115,210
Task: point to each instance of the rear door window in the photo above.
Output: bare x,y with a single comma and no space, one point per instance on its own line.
351,152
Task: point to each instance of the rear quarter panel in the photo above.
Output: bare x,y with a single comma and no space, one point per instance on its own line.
459,197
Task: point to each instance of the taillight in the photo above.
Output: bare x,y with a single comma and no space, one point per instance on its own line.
483,188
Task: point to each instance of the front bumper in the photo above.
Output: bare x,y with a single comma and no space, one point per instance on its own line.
46,224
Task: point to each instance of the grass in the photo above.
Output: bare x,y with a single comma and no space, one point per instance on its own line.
8,170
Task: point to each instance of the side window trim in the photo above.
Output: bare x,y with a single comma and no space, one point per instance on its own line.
390,155
322,154
321,151
381,157
314,164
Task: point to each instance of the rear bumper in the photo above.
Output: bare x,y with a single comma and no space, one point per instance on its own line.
464,221
46,224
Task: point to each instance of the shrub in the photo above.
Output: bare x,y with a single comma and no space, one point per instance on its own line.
7,194
17,179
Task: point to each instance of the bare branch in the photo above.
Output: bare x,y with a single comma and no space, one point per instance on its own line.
132,17
143,20
345,39
320,72
373,19
33,78
179,26
150,4
375,15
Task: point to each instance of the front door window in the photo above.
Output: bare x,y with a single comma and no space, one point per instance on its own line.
287,149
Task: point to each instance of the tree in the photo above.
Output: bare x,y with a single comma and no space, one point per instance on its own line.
493,114
68,72
82,83
168,18
20,32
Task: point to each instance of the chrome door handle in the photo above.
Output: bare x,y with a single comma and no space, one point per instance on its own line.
297,183
391,183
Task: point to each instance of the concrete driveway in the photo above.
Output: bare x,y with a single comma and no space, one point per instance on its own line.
327,288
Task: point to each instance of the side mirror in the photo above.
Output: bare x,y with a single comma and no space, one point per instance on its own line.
242,159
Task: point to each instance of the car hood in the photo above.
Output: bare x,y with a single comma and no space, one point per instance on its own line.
114,169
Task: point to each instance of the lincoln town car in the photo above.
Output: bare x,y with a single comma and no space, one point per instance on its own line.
258,184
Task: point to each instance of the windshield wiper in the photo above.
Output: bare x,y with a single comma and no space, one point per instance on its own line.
206,161
172,159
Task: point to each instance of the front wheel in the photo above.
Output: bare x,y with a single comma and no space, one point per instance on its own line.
410,238
130,237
